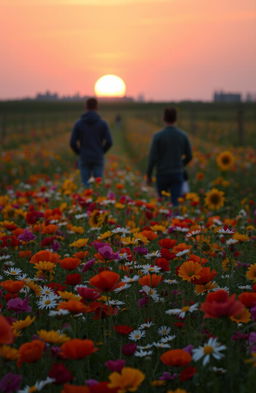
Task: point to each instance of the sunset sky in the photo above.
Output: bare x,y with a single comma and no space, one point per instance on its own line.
165,49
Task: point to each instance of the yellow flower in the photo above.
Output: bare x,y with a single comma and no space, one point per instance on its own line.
219,181
119,205
251,272
44,266
128,380
53,337
141,237
33,286
252,359
8,352
214,199
240,237
206,287
79,243
76,229
105,235
225,160
165,193
177,391
127,240
192,196
22,324
69,295
158,382
159,228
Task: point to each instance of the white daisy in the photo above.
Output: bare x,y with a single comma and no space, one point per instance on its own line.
47,303
164,330
136,335
211,349
142,354
155,254
123,288
150,269
127,279
57,313
161,345
146,325
166,339
181,312
13,271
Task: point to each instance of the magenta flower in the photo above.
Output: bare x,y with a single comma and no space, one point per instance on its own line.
26,236
108,253
115,365
88,293
129,349
10,383
18,305
87,266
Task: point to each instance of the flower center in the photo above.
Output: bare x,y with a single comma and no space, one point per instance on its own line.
208,349
185,308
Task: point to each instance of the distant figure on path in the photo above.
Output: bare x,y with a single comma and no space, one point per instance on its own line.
91,139
170,152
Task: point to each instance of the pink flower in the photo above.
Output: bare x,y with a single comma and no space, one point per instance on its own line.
129,349
115,365
18,305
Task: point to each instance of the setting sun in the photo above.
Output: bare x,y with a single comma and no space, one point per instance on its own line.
110,86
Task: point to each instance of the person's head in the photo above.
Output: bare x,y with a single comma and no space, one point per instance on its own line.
91,104
170,115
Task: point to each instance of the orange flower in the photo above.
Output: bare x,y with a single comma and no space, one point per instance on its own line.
128,380
150,235
45,255
106,281
68,388
176,357
6,336
12,286
30,352
81,254
73,306
196,258
77,348
205,275
189,270
70,263
51,228
151,280
181,247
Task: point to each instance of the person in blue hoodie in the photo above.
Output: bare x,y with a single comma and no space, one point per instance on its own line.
91,139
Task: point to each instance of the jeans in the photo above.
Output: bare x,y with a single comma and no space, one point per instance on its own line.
170,183
89,170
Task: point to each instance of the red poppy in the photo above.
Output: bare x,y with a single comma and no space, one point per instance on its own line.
77,348
167,243
205,275
123,329
187,373
73,279
163,264
60,373
106,281
70,263
102,387
30,352
6,336
220,304
165,253
151,280
248,299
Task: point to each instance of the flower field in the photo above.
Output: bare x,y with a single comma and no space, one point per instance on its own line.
109,290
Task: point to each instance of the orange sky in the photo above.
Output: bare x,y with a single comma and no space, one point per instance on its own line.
165,49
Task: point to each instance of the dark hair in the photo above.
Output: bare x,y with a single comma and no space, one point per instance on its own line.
170,115
91,104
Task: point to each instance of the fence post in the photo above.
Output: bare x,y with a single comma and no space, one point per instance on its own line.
240,126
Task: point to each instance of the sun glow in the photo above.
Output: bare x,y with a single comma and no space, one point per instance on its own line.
110,86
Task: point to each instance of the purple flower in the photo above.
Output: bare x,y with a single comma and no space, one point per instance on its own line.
55,245
108,253
166,376
129,349
115,365
19,305
240,336
143,301
91,382
10,383
253,313
141,250
87,266
188,349
26,236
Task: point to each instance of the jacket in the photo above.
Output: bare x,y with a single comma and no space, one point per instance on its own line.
91,138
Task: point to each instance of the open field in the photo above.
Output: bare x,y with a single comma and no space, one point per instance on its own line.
105,290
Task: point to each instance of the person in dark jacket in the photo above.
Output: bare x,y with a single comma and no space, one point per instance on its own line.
170,151
91,139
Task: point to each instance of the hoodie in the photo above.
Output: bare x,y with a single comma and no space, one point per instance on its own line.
91,138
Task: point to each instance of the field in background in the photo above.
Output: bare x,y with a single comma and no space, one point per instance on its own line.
168,302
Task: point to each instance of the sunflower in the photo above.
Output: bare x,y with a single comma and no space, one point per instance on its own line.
225,160
214,199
